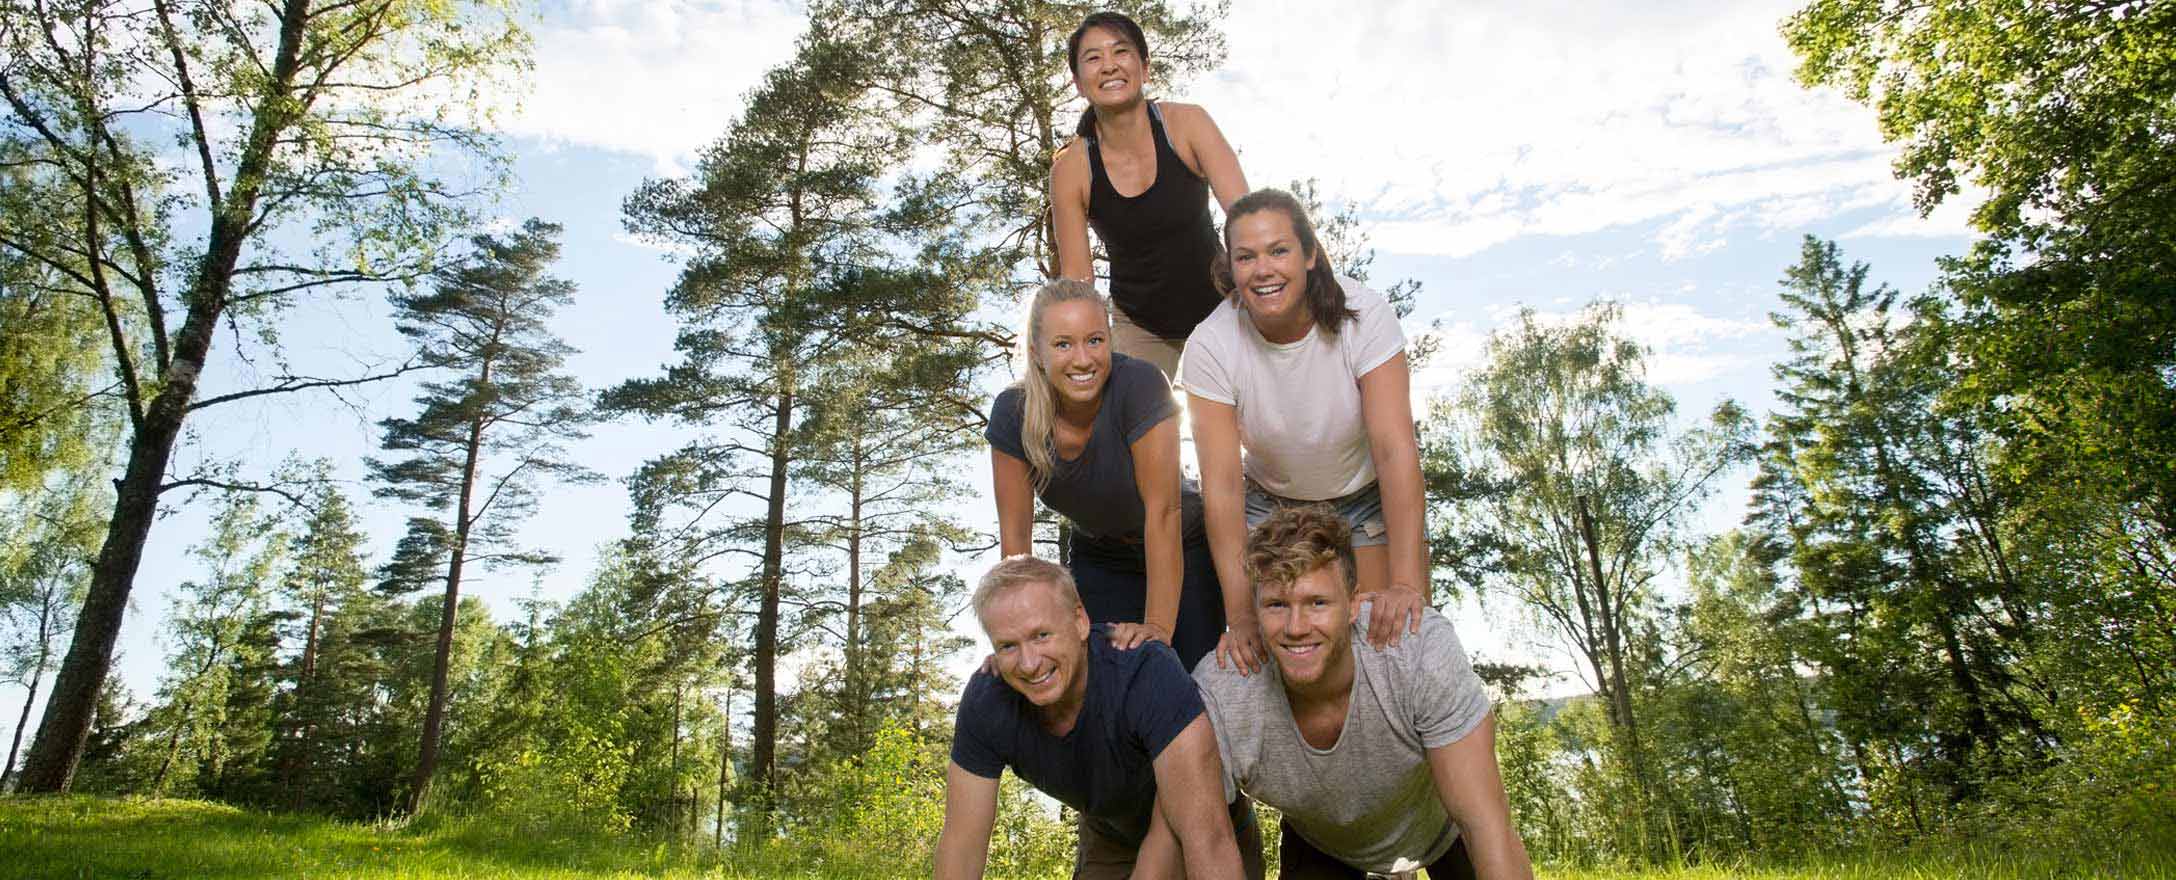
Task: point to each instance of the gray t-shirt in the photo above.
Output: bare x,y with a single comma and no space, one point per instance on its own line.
1368,800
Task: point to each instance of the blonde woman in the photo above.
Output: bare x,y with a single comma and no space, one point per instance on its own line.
1094,434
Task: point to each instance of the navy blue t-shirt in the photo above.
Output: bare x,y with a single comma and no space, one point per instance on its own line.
1096,490
1137,703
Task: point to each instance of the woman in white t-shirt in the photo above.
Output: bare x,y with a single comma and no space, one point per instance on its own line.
1305,372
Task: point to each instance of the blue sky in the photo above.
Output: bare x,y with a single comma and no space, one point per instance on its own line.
1506,154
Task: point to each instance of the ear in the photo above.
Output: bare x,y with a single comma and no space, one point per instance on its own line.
1080,621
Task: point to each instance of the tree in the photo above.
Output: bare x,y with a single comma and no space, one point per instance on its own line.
792,266
44,561
325,585
217,628
883,441
1898,534
481,442
2057,111
327,122
1597,488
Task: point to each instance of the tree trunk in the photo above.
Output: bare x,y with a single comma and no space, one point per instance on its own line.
1620,696
434,716
23,720
66,727
855,703
725,765
764,751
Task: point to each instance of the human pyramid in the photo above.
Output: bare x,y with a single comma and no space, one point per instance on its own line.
1336,695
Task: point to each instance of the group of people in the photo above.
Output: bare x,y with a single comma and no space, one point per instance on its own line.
1335,694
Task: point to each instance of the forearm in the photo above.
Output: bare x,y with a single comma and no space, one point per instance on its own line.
1471,786
1227,528
1163,544
958,860
1497,851
1397,469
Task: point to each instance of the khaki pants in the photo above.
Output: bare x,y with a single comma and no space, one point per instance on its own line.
1129,339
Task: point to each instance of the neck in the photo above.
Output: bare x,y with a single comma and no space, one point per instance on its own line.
1080,414
1116,123
1285,331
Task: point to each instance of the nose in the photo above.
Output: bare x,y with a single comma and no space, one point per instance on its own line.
1293,624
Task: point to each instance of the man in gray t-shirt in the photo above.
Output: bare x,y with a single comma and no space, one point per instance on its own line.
1382,760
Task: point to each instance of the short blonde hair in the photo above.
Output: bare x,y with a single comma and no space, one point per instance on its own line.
1017,571
1296,541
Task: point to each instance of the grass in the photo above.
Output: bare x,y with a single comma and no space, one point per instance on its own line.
84,837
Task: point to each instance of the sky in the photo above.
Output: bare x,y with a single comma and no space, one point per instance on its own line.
1507,155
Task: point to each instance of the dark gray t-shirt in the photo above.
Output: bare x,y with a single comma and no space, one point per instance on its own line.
1096,490
1369,800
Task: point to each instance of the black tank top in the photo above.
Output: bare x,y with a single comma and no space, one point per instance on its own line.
1161,243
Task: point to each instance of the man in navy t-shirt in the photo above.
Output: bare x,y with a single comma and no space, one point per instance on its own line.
1102,730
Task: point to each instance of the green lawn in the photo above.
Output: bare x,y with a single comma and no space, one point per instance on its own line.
82,837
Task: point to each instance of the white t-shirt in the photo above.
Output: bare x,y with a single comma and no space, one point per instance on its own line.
1299,403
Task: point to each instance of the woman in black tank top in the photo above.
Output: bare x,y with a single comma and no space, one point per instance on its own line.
1140,173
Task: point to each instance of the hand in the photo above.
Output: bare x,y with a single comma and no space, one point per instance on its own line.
1397,612
1241,648
989,663
1128,636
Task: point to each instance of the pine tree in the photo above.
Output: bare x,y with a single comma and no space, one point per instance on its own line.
324,586
481,442
794,265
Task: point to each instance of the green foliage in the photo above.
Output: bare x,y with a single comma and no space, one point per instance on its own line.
2060,112
1571,491
52,417
339,125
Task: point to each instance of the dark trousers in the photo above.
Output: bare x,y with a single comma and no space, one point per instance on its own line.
1300,860
1101,857
1119,594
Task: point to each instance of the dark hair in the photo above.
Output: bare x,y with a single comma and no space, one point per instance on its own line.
1116,21
1325,297
1299,540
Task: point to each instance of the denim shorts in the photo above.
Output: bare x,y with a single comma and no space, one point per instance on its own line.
1362,510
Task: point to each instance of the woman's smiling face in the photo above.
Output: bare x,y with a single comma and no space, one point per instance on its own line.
1074,349
1108,69
1269,267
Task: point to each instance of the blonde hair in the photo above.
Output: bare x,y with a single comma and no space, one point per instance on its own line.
1038,403
1019,571
1296,541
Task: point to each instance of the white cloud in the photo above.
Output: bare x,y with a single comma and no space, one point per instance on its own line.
1685,345
1459,128
1953,217
657,79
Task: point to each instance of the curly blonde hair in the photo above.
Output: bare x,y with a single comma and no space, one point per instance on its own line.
1296,541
